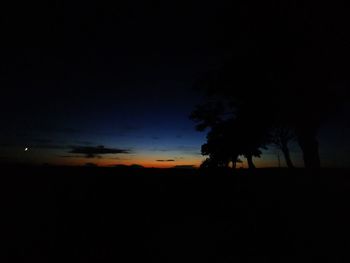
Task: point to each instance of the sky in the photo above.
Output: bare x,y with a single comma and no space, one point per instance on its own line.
84,82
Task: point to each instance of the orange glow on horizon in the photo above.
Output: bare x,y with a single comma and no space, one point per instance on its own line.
150,161
145,163
154,164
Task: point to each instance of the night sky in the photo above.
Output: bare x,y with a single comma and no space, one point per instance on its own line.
90,83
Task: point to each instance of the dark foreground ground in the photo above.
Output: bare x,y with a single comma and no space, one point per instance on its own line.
109,215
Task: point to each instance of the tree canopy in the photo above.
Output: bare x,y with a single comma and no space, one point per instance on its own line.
286,70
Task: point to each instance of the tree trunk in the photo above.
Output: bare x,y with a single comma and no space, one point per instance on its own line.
250,161
234,163
286,154
309,146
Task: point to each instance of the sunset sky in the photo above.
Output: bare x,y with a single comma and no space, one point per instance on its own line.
79,78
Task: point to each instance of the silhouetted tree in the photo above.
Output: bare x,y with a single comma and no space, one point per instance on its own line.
229,139
281,136
286,65
219,147
273,95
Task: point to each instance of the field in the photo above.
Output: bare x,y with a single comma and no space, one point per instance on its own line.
54,214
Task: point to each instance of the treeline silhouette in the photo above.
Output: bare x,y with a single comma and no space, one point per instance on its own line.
284,77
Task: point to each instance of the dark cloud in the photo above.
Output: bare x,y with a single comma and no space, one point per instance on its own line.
169,160
94,152
155,138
